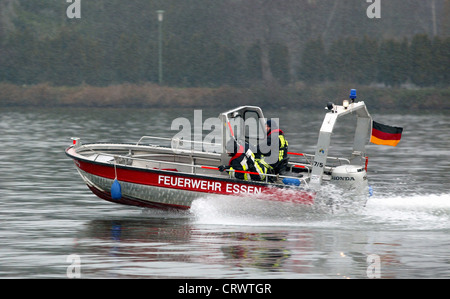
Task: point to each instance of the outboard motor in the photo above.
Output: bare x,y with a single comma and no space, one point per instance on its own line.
351,177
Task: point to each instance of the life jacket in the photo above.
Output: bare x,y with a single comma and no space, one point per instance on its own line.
244,159
283,145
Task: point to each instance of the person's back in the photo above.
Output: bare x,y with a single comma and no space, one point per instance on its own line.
243,159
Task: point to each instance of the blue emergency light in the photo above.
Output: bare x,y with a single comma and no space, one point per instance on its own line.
353,94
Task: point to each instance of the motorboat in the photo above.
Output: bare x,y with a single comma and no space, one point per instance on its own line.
171,173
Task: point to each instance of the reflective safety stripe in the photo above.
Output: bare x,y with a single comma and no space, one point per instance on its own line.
281,155
283,146
265,167
244,168
246,175
264,163
231,173
261,170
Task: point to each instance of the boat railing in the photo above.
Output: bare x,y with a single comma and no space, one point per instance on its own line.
309,160
180,145
121,160
153,137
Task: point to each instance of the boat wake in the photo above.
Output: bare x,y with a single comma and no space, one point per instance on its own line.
251,211
408,212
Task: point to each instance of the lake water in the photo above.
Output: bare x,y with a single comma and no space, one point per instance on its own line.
52,226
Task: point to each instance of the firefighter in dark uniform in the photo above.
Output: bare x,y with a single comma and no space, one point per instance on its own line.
282,159
243,159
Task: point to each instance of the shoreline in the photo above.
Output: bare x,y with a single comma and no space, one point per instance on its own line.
150,95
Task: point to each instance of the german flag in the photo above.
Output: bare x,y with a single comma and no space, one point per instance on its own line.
385,135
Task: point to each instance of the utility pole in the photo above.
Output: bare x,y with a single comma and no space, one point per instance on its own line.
433,15
160,66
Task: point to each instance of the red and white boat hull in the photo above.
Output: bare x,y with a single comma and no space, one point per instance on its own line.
168,189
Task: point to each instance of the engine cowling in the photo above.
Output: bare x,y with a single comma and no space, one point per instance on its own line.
350,177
